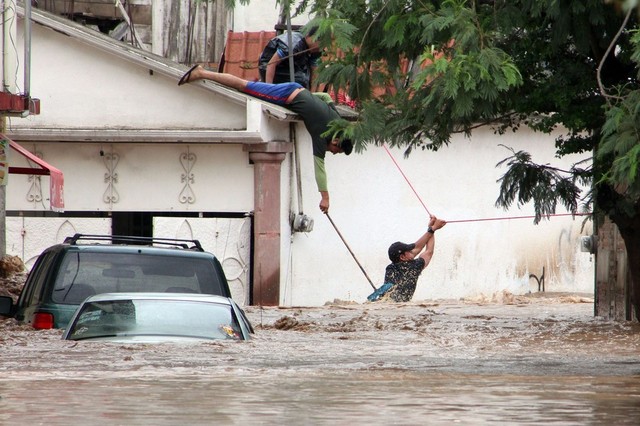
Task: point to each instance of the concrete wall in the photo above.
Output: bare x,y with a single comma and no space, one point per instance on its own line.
138,177
373,206
81,87
28,236
85,89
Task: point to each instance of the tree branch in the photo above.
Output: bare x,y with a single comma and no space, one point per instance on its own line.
603,92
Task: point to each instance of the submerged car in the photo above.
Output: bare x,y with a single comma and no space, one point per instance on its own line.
83,265
157,317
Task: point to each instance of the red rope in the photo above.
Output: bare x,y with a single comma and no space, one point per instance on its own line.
405,178
514,217
470,220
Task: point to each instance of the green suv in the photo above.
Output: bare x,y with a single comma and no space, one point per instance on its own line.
83,265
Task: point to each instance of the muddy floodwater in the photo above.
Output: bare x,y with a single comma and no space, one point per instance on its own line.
539,359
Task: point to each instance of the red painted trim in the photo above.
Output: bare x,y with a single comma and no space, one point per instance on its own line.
56,181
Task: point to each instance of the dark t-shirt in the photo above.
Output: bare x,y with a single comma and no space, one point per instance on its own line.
303,60
316,115
404,277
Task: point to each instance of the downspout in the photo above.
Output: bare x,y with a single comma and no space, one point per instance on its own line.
292,137
292,130
300,222
292,76
27,52
9,60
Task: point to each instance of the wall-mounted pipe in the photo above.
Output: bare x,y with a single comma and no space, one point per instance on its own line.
27,49
9,59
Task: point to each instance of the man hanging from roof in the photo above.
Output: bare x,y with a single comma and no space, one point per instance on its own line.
405,268
315,112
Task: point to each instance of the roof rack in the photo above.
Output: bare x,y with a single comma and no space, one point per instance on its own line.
123,239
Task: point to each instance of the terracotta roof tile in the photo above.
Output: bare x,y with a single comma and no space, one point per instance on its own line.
242,51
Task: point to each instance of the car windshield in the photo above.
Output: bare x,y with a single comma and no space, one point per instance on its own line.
148,317
84,274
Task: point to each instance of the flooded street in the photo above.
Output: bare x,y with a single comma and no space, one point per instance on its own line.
516,360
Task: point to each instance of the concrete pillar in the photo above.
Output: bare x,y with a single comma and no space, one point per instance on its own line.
267,160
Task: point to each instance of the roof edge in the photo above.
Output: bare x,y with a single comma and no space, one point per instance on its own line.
135,136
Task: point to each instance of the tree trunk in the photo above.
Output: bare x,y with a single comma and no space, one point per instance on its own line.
630,231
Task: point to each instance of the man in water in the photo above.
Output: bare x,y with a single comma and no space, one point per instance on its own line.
405,267
315,112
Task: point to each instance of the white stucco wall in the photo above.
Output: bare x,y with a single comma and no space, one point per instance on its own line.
102,91
146,177
84,88
28,236
373,206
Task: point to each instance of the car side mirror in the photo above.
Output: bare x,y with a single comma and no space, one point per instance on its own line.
6,306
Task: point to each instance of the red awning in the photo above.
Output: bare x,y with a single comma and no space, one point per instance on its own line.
56,181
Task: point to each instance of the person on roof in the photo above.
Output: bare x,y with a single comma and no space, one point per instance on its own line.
405,268
315,112
273,64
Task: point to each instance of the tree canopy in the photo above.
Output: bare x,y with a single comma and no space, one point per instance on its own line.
454,65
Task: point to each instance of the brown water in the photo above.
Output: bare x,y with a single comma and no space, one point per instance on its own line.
525,360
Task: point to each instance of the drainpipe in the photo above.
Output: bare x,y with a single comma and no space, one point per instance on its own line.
292,132
9,60
290,44
27,50
292,138
300,221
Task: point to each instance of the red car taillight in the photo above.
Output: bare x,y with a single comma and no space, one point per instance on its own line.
42,321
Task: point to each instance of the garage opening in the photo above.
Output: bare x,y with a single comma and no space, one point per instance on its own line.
135,224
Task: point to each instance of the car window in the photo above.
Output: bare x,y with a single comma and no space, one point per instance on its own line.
34,286
83,274
156,317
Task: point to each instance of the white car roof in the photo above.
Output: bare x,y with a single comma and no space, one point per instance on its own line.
188,297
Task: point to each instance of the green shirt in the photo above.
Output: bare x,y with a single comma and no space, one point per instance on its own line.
316,114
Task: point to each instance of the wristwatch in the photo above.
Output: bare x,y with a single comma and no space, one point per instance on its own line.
431,230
